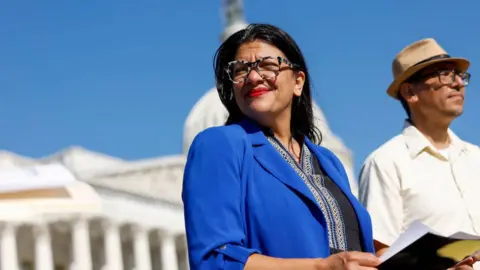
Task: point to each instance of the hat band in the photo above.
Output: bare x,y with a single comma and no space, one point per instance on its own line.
440,56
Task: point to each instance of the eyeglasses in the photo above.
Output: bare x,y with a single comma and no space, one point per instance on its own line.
446,76
268,67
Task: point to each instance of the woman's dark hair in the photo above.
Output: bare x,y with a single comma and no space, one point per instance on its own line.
302,122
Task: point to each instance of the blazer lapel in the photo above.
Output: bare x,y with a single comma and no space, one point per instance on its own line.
275,164
332,172
268,157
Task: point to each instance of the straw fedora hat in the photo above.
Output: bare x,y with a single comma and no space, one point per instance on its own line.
417,56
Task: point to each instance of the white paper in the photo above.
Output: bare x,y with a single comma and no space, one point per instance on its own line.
464,236
414,232
35,177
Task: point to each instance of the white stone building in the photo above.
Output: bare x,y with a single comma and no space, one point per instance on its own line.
138,220
139,224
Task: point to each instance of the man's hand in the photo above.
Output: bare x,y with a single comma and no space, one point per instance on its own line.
467,263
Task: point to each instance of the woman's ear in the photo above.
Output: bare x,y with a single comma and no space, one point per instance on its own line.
299,82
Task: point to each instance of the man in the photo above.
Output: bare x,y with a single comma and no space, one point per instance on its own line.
426,173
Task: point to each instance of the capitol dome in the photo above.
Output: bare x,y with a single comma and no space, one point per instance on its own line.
209,112
232,29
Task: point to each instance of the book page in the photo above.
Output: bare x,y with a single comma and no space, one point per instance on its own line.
412,234
464,236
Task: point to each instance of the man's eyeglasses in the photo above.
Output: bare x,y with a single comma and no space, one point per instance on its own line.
268,67
445,76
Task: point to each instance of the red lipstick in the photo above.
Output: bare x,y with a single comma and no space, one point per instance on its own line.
257,91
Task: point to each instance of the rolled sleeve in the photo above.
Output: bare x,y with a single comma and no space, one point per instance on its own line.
236,255
212,202
380,193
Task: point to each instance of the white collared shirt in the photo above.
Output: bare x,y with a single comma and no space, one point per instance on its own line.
407,179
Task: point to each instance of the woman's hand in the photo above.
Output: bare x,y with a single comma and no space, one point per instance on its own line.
350,261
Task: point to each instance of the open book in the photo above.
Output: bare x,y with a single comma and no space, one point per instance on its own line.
422,248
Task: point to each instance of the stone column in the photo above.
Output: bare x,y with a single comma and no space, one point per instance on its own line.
168,252
43,247
113,246
82,256
8,247
187,259
141,248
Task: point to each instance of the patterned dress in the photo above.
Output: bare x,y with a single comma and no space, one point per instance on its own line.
342,223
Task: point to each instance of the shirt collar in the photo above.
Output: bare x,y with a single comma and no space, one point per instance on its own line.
417,142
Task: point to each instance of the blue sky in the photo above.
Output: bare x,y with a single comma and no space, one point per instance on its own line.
120,76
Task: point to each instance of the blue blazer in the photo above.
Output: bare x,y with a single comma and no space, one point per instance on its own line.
241,197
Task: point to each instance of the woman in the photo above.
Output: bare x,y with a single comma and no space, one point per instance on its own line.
259,193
